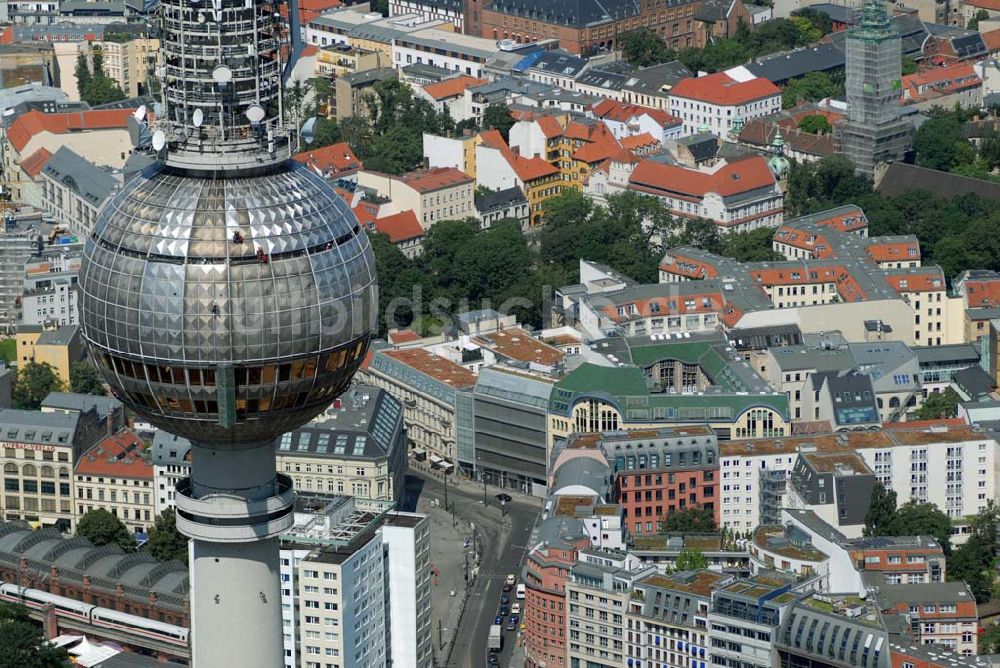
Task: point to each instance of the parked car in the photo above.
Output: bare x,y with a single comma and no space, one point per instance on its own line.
515,609
512,622
504,610
504,498
505,597
498,621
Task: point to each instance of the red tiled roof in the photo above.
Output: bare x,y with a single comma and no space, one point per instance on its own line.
891,252
527,169
438,178
735,177
992,40
119,455
939,81
621,112
710,301
930,279
640,141
331,160
367,213
720,88
309,50
404,336
549,126
400,227
603,146
35,163
442,90
35,122
982,293
991,5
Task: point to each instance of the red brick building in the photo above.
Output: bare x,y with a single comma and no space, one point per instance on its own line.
658,472
587,26
545,574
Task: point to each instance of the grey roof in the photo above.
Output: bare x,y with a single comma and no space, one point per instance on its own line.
651,80
561,63
81,176
71,401
92,7
713,10
852,394
574,13
427,71
953,353
365,425
11,97
37,427
974,381
437,39
499,199
775,336
901,177
369,77
585,471
555,530
703,146
891,365
817,525
924,592
600,78
61,336
135,660
805,358
170,449
781,67
838,13
518,388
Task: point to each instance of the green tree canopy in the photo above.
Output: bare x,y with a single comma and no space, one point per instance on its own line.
975,562
35,382
812,87
498,117
84,379
753,246
939,405
691,560
815,124
981,15
643,47
916,519
989,641
881,511
693,519
819,21
102,528
165,542
909,65
22,644
940,144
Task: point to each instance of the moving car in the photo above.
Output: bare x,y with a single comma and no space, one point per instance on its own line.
504,610
512,622
511,579
505,597
520,591
515,609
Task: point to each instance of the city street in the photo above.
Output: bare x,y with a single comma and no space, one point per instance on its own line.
503,540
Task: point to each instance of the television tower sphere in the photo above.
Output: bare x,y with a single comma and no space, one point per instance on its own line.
228,311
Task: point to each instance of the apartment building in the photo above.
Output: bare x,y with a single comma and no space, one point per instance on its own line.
597,596
837,487
739,195
171,461
58,346
940,613
743,618
73,190
129,61
666,621
39,453
437,194
713,102
452,11
113,476
500,168
50,294
356,447
952,467
437,401
658,472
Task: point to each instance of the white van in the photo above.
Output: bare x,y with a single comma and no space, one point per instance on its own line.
520,591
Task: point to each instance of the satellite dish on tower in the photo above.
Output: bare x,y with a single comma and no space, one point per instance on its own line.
198,118
222,75
140,113
255,114
159,140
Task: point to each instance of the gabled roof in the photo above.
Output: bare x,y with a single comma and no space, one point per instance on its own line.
733,178
644,140
331,160
400,227
35,122
527,169
81,176
34,163
119,455
437,178
720,88
449,88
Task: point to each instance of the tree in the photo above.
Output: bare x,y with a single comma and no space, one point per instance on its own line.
981,15
22,644
939,405
975,562
940,144
498,117
93,83
881,511
690,560
82,72
166,543
989,641
820,21
102,528
35,381
84,379
752,246
693,519
643,48
909,65
915,519
815,124
811,88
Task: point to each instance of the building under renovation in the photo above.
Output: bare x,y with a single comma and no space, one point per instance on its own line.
874,131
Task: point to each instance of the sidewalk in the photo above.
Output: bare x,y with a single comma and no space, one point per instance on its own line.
473,487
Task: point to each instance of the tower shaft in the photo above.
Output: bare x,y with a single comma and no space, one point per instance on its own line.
233,507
